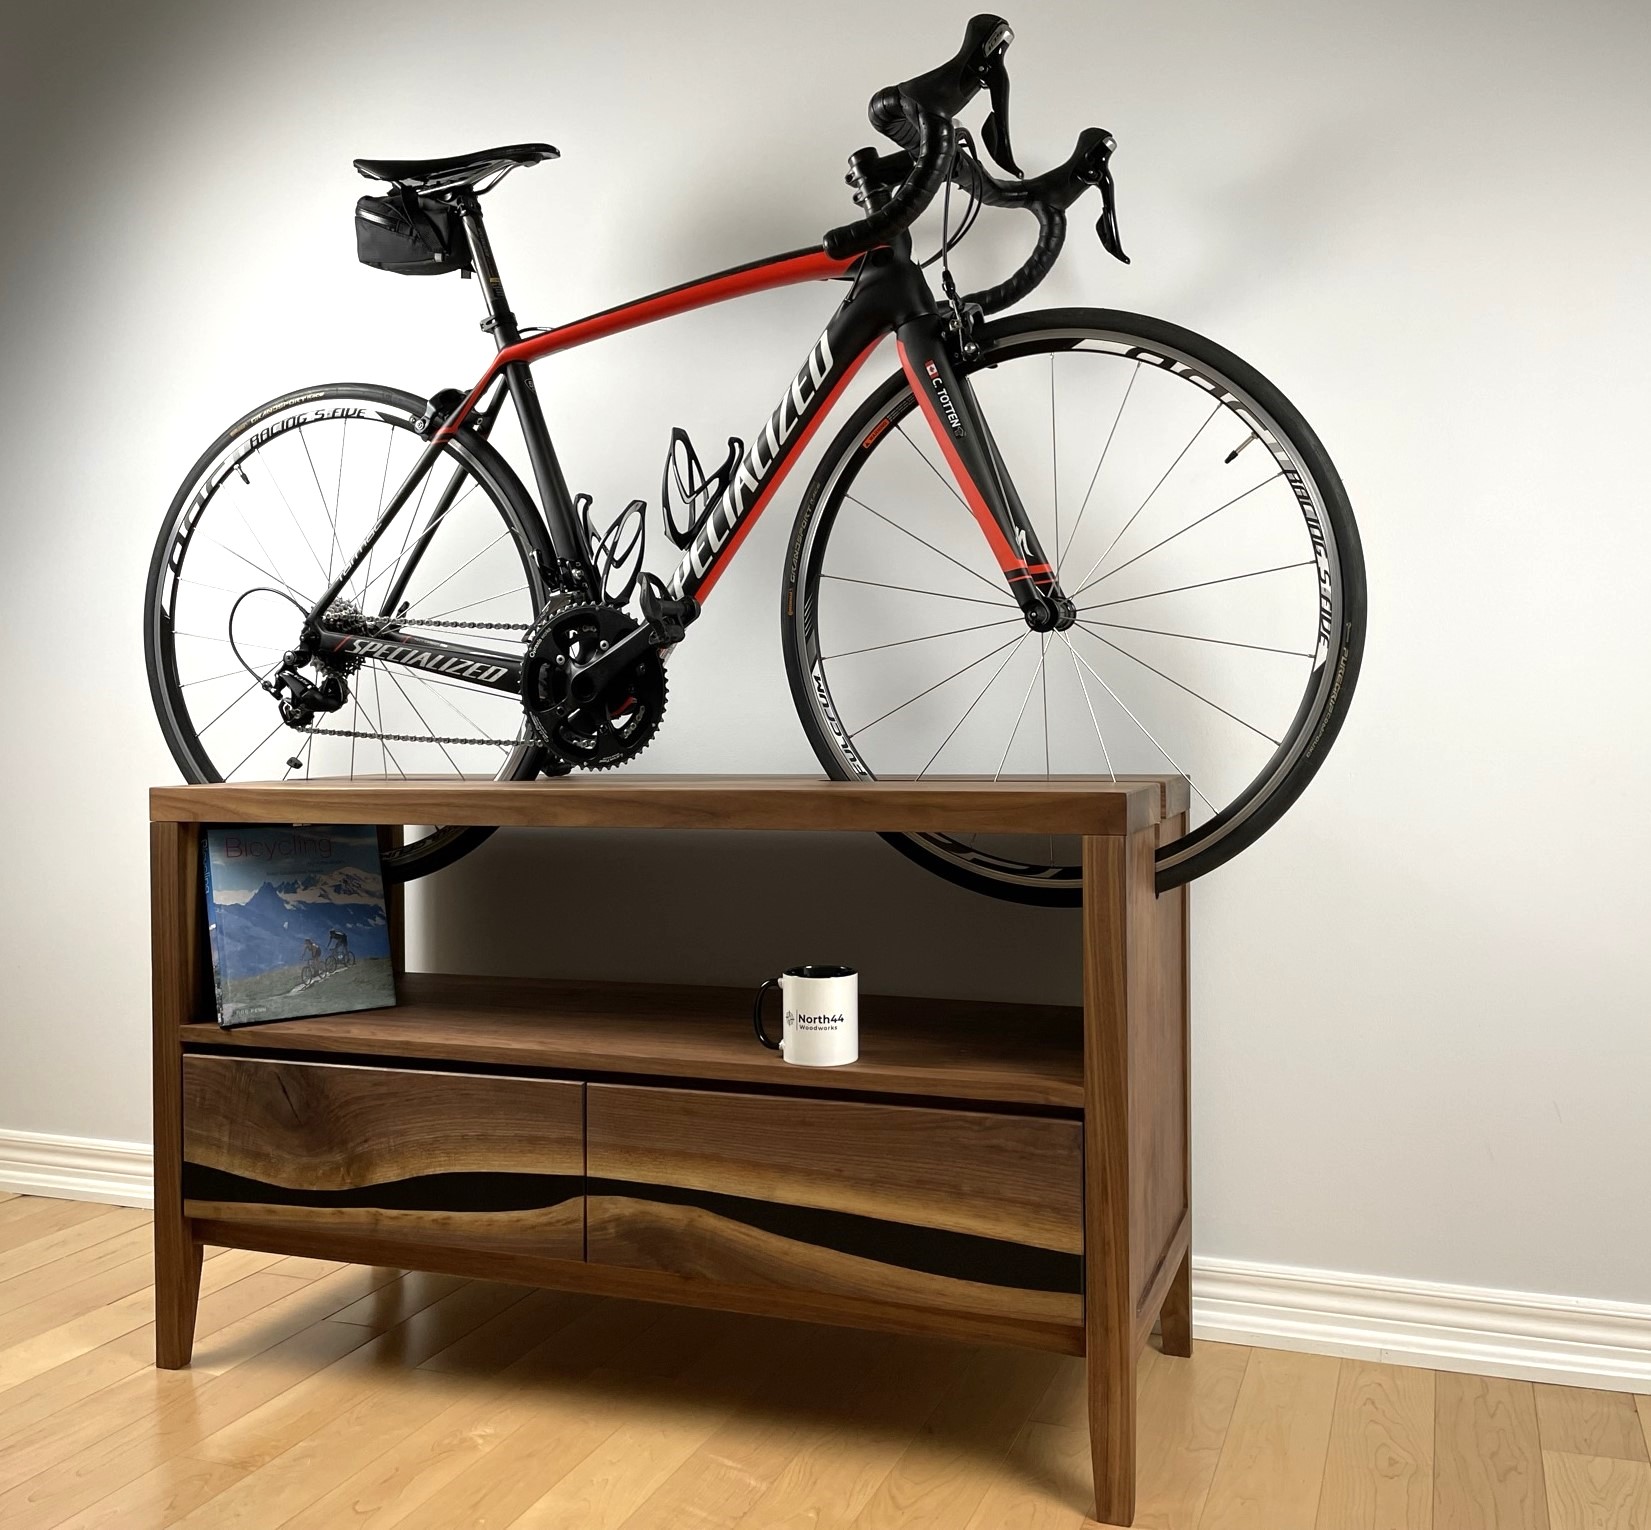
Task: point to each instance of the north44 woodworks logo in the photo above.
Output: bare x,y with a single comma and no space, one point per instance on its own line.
943,400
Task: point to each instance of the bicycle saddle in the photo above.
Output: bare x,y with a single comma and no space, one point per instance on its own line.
455,169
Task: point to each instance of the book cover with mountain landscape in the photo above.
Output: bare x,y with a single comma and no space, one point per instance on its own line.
296,922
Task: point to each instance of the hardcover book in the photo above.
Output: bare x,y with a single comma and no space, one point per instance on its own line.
296,921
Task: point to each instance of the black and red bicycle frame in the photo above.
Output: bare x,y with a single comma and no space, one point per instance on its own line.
888,295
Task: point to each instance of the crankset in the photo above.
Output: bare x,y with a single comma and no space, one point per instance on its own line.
593,685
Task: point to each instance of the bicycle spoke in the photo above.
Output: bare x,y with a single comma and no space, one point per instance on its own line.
1072,649
332,517
1083,686
467,562
865,727
256,685
1083,583
981,696
396,682
1071,541
927,637
950,486
383,745
974,573
296,595
1102,578
470,605
1202,584
1020,714
1193,637
1197,695
441,687
1054,463
230,775
974,600
292,515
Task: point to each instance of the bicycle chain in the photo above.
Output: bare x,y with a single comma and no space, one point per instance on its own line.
379,626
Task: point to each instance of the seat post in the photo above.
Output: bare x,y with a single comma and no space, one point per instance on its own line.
500,319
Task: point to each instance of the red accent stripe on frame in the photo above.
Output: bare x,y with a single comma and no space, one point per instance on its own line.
794,450
1007,558
781,271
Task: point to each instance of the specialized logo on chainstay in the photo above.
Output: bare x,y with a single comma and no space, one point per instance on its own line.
724,517
391,652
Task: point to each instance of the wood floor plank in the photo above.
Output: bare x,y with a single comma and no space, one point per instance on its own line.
1487,1455
1596,1492
722,1480
941,1477
1580,1421
91,1329
664,1426
70,1240
29,1286
76,1297
1272,1463
1642,1405
234,1323
1184,1406
396,1301
557,1411
31,1216
846,1454
315,1445
491,1402
1379,1471
110,1459
1044,1483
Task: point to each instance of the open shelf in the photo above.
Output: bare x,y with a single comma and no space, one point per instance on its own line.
1022,1054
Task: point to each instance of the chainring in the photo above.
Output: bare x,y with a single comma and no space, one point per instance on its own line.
620,721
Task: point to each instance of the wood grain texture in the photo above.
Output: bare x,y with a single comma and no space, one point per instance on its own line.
702,1246
1062,805
1642,1406
1110,1290
175,941
326,1127
995,1176
649,1285
1379,1471
1487,1455
1580,1421
550,1232
1596,1492
1027,1054
1273,1459
1183,1415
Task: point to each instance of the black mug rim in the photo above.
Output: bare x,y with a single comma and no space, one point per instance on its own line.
816,971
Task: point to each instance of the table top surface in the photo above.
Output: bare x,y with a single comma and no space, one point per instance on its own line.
1092,805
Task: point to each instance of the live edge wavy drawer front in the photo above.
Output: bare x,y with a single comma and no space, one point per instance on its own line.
964,1210
443,1158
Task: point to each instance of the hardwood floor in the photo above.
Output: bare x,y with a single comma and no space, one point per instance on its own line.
327,1395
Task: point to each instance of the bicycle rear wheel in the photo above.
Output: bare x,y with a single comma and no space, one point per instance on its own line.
1200,527
269,512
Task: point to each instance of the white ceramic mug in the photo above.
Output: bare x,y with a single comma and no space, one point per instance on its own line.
820,1006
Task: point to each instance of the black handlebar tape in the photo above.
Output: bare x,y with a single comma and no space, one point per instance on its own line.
935,138
1051,236
945,91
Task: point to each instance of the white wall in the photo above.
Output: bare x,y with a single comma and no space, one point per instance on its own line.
1421,1038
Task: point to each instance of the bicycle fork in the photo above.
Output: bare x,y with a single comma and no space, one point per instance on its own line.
947,402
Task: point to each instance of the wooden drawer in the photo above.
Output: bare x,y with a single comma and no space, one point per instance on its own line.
456,1159
957,1209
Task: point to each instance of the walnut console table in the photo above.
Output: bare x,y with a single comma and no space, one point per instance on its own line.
1002,1172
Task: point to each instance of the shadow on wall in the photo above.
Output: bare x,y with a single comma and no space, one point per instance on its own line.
734,908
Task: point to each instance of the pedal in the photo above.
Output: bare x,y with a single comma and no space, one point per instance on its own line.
667,618
687,493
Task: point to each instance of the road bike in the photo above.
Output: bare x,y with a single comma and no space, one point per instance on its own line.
1074,541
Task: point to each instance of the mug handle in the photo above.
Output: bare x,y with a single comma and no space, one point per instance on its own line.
756,1014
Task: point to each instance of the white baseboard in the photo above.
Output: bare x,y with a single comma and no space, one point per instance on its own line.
77,1168
1407,1322
1578,1341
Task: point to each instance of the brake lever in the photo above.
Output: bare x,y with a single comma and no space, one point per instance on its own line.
1097,171
994,132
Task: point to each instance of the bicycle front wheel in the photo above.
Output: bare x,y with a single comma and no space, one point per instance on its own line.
1206,540
267,515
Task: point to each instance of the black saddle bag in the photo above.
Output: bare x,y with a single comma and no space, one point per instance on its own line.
410,235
